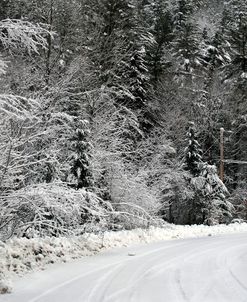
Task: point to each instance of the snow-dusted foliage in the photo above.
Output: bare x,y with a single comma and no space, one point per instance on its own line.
185,45
18,34
81,159
177,195
239,200
137,204
95,107
15,33
208,198
210,204
193,152
17,121
3,66
52,210
25,127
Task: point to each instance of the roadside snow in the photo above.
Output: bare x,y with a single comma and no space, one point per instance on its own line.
19,256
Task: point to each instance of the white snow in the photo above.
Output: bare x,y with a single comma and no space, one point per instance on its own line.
19,256
244,75
209,269
5,286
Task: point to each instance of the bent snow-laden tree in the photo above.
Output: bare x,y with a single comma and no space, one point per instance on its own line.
17,113
19,33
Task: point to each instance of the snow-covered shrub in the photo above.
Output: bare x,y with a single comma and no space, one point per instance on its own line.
116,138
136,204
210,204
52,210
177,195
164,177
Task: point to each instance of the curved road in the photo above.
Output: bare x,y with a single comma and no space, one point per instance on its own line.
211,269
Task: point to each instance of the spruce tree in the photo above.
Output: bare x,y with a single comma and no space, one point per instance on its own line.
193,152
185,43
81,160
122,55
236,32
157,16
234,75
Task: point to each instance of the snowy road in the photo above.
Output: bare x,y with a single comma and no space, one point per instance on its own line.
209,269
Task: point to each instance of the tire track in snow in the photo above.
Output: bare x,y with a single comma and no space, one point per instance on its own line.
210,269
108,277
156,270
97,270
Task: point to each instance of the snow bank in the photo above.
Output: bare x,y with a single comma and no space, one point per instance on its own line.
19,256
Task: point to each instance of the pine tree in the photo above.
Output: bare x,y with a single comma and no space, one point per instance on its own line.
185,43
121,55
209,204
234,75
193,152
81,160
236,33
157,16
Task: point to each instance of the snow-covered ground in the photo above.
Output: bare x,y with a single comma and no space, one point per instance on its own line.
209,269
19,256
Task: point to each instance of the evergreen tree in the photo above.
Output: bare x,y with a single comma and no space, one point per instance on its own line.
186,48
234,75
236,33
81,160
210,204
185,45
157,16
121,55
193,152
239,151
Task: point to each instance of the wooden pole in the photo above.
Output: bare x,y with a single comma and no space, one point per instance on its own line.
222,154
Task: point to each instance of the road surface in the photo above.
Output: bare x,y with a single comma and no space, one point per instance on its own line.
210,269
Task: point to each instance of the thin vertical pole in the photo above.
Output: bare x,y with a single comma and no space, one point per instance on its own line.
222,154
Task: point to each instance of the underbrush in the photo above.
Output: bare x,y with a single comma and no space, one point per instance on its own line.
56,210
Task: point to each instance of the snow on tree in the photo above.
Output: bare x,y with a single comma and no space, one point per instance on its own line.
235,35
239,150
52,210
122,55
157,16
210,204
113,63
81,159
193,152
185,44
20,33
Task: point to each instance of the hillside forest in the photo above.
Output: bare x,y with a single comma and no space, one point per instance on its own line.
111,110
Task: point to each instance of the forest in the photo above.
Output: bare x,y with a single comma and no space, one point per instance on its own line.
111,110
